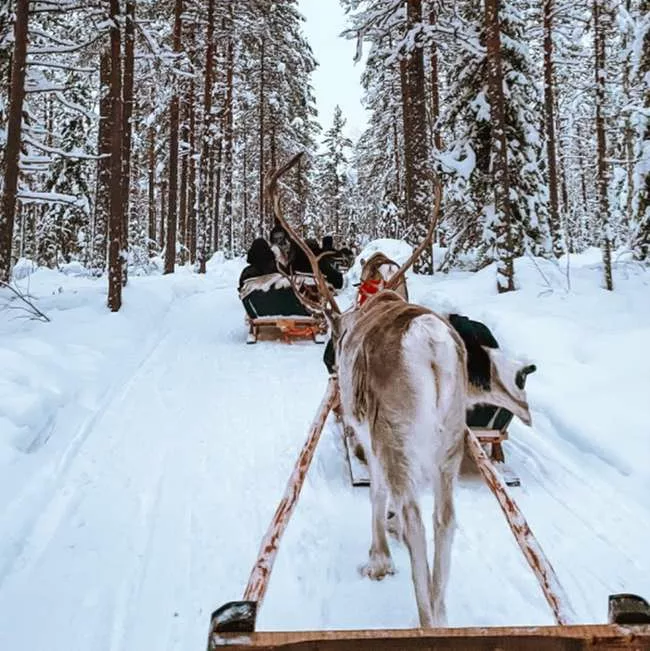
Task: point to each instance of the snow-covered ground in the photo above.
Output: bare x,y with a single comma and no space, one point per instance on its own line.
142,455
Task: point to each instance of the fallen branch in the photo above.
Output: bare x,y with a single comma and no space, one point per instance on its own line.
28,306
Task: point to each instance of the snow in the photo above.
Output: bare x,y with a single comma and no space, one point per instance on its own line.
397,250
143,453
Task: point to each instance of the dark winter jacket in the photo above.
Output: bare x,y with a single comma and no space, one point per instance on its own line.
261,261
300,263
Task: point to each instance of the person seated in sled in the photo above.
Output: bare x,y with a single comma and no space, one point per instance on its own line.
262,289
292,259
261,261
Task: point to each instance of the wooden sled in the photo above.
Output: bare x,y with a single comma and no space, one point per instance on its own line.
273,311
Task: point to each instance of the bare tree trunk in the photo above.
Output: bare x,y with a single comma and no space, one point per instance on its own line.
102,195
214,197
191,193
245,191
163,212
182,210
216,167
503,223
129,61
602,175
408,164
549,116
12,153
152,193
261,137
416,141
207,140
228,134
115,223
170,249
435,84
641,241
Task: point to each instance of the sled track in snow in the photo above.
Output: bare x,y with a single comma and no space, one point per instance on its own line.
49,506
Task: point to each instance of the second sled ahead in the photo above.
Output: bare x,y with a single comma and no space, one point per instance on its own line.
273,311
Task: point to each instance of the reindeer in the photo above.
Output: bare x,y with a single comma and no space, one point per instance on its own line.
403,381
375,272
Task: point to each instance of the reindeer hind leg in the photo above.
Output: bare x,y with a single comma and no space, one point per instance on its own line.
379,562
444,525
416,542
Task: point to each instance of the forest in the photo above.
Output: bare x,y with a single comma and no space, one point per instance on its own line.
137,134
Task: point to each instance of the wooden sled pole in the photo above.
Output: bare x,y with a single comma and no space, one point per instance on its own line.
531,549
261,573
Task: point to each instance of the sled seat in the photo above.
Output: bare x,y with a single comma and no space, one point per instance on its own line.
273,311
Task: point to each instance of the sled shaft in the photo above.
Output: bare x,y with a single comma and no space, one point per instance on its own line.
261,573
531,549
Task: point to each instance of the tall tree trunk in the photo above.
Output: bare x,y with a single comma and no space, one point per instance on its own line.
641,243
416,141
163,212
12,153
115,223
503,218
216,173
102,194
207,140
182,210
191,192
435,84
228,134
261,137
601,148
129,64
174,110
245,191
152,191
407,156
549,116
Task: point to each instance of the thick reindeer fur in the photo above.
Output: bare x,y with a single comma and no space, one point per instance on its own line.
403,385
404,389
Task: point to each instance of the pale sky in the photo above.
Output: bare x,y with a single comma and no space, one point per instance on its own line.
337,79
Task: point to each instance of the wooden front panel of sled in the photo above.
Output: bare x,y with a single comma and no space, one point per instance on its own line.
551,638
287,329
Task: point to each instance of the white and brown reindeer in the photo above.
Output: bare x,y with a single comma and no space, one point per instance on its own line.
404,388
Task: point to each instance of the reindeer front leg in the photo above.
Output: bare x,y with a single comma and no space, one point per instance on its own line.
380,562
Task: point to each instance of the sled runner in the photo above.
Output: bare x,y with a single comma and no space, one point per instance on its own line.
273,311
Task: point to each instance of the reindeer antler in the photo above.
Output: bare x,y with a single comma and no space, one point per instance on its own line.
272,190
435,216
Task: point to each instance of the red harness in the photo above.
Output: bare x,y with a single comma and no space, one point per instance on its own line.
368,288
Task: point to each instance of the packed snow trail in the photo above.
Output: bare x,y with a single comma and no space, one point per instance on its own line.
139,515
158,514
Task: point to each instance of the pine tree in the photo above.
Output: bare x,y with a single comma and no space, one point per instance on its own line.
332,175
469,157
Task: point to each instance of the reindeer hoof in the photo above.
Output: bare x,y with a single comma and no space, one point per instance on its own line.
377,568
